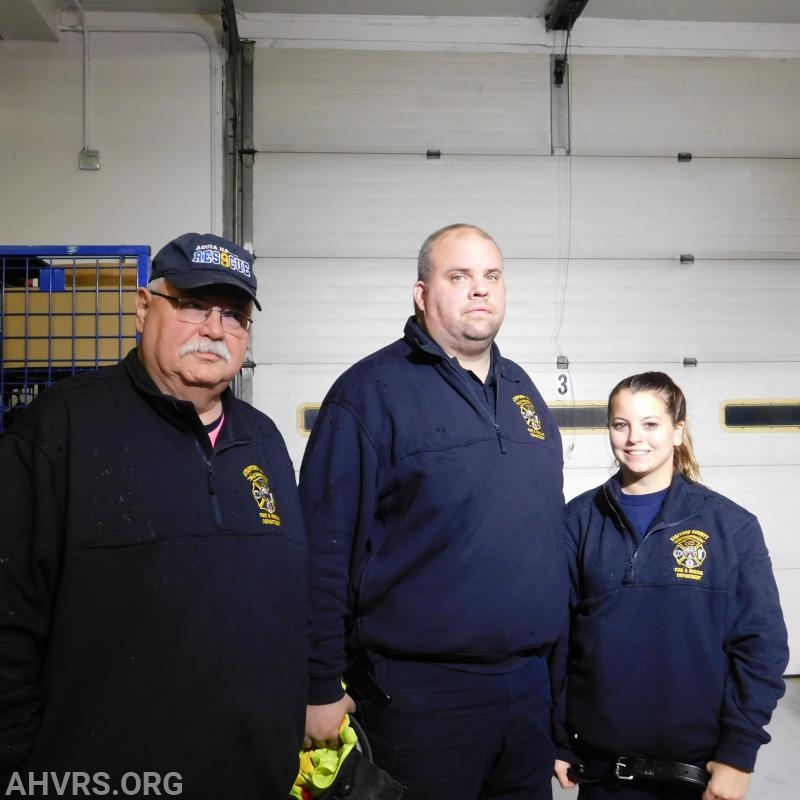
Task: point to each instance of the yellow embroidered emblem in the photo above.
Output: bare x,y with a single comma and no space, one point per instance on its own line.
690,553
529,415
265,500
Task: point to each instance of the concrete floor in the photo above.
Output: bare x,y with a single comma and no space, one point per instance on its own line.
773,778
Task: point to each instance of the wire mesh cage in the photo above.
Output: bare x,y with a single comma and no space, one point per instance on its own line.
63,310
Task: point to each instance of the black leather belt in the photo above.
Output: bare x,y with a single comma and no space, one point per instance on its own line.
628,769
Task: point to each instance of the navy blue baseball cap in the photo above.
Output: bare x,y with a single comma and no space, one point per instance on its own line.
202,259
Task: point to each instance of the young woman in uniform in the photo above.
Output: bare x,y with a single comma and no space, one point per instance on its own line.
677,643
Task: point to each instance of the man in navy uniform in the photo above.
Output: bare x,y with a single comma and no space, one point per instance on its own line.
153,602
432,492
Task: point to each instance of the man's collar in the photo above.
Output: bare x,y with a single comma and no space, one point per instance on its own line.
418,337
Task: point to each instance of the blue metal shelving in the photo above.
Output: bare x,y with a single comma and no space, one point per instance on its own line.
64,310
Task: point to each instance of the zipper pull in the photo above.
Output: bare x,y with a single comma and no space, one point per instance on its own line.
628,578
210,472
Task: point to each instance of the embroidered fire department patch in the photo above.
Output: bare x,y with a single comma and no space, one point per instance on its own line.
262,494
529,415
690,553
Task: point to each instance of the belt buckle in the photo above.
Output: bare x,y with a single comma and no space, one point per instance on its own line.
622,771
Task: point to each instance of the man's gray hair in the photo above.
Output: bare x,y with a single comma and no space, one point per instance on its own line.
157,284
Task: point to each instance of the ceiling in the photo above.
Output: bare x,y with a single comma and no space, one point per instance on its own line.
779,11
35,19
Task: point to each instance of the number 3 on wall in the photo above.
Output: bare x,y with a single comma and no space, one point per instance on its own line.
562,384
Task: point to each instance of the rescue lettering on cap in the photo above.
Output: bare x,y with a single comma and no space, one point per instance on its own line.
212,254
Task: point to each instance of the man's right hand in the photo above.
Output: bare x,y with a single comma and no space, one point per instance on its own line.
323,722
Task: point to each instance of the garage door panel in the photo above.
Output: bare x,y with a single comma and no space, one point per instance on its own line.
395,102
745,461
336,311
340,205
345,206
789,587
636,312
640,310
662,208
651,105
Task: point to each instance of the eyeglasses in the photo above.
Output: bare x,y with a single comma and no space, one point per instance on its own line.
196,312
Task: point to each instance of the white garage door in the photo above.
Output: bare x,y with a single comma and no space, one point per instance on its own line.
362,154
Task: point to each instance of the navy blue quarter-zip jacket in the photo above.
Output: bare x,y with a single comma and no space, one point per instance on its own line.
153,599
678,643
435,526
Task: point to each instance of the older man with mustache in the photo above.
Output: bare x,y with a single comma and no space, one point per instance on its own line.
152,563
432,490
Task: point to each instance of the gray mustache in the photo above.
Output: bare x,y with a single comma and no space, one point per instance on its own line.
207,346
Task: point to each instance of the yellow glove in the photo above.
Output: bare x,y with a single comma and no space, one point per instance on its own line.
319,767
